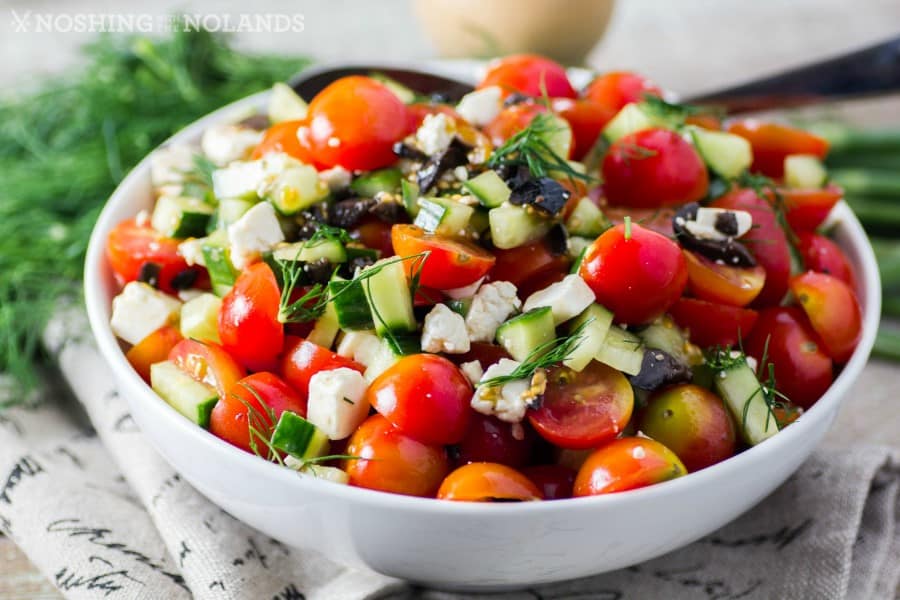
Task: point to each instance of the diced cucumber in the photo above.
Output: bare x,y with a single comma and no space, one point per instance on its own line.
355,251
513,226
216,257
370,184
410,192
586,219
622,350
331,250
630,119
726,154
443,216
230,210
350,305
557,135
522,334
490,190
402,345
664,335
388,295
298,437
182,392
479,223
285,104
804,171
181,217
381,360
576,248
200,318
406,95
593,335
332,474
743,395
326,328
297,188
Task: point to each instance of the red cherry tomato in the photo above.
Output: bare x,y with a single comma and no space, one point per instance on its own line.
516,265
426,397
485,353
773,142
282,137
583,410
638,277
354,123
302,359
209,363
833,311
802,369
248,320
391,461
555,482
736,286
626,464
249,403
153,349
489,439
806,210
766,240
587,120
711,324
655,219
375,234
529,74
616,89
540,281
418,111
822,255
450,263
511,120
652,168
487,482
130,246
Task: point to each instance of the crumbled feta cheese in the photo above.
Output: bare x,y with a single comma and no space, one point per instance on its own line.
337,402
472,370
493,303
706,225
224,144
191,250
140,310
337,178
509,403
255,232
444,331
481,106
240,179
359,346
464,292
170,163
566,298
435,134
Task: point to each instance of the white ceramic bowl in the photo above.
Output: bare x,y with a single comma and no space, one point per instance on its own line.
460,545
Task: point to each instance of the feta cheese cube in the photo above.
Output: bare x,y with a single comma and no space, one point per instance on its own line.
472,370
444,331
491,306
224,144
240,179
337,402
435,134
140,310
169,164
257,231
508,403
191,250
359,346
481,106
566,299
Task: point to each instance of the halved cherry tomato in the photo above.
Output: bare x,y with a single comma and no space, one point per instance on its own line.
587,120
524,262
248,320
511,120
540,281
375,234
583,410
626,464
637,276
555,482
153,349
303,359
736,286
652,168
489,439
822,255
209,363
615,89
766,240
487,482
802,369
529,74
773,142
354,123
712,324
282,137
450,263
425,396
130,246
391,461
806,210
833,312
692,422
252,402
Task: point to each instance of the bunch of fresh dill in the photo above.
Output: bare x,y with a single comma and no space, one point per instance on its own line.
65,146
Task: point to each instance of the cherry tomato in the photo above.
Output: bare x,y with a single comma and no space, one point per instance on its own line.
654,219
130,246
153,349
425,396
652,168
450,263
489,439
208,363
354,123
529,74
524,262
615,89
638,276
706,121
485,353
833,311
583,410
555,482
587,120
711,324
692,422
418,111
248,320
487,482
766,240
511,120
773,142
786,413
282,137
822,255
736,286
626,464
391,461
375,234
540,281
302,359
249,403
806,210
802,369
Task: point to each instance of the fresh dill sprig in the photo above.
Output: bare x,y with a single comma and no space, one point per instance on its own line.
721,359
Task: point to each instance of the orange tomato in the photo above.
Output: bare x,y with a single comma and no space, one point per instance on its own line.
833,311
487,482
208,363
450,264
626,464
773,142
153,349
735,286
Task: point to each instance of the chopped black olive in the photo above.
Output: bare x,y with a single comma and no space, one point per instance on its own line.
658,369
454,156
389,212
348,213
406,151
514,175
257,122
440,98
516,98
318,271
726,223
149,273
544,194
729,251
558,239
348,269
184,280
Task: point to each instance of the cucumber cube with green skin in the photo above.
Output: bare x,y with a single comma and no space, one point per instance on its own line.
622,350
297,188
390,300
350,305
596,321
726,154
513,226
745,399
664,335
217,258
489,188
443,216
410,192
199,318
368,185
285,104
331,250
298,437
628,120
181,217
586,220
804,171
522,334
191,398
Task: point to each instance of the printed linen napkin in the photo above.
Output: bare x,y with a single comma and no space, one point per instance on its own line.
103,516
